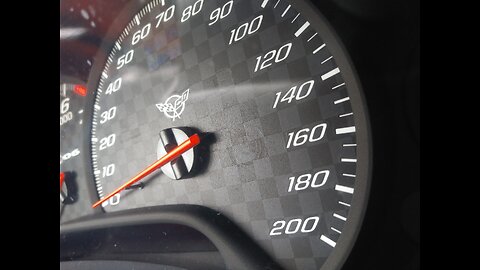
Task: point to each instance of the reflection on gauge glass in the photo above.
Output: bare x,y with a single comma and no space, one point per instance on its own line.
285,152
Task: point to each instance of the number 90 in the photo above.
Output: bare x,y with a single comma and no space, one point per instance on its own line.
221,13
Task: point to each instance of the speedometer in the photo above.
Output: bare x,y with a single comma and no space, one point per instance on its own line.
283,150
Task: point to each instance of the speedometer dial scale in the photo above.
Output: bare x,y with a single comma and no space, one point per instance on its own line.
286,153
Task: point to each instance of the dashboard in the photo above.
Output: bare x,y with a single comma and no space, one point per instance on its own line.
240,134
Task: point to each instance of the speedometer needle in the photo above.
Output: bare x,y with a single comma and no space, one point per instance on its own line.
191,142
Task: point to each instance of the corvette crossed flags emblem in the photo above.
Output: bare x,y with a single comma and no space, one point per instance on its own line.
174,106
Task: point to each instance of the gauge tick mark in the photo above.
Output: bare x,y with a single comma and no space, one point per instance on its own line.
344,189
286,10
264,3
340,217
324,61
346,114
312,37
318,49
331,73
341,100
340,85
327,240
335,230
344,130
276,4
344,203
301,29
295,17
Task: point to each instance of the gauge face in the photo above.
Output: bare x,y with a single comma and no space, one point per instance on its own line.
285,149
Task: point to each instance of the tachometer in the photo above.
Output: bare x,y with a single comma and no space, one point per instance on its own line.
284,149
72,154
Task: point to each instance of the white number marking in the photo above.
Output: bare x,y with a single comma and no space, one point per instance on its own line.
108,170
125,59
107,142
114,86
303,181
301,137
75,152
295,225
168,15
65,118
191,11
141,34
108,115
240,32
290,94
221,13
64,105
265,60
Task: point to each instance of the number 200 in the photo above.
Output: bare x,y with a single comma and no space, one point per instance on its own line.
293,226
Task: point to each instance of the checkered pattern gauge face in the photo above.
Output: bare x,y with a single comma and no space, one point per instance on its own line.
239,94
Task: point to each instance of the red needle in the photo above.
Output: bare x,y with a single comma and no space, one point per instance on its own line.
62,178
173,154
